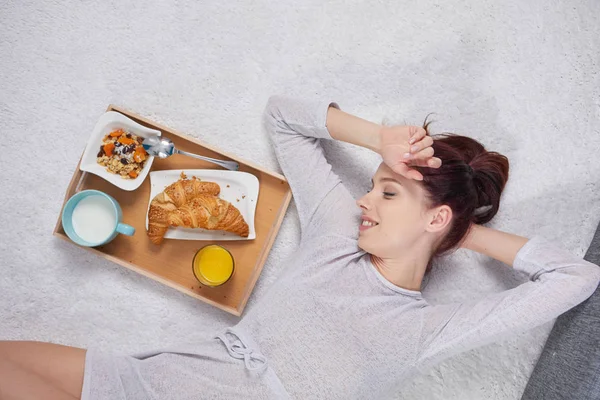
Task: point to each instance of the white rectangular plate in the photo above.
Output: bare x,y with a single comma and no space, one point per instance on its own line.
238,188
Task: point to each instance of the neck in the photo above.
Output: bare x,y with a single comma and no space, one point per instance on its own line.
406,273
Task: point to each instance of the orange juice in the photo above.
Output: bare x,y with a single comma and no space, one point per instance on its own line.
213,265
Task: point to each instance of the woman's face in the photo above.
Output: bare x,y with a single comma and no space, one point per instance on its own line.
394,214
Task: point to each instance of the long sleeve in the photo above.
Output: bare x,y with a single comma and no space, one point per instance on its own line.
296,128
558,282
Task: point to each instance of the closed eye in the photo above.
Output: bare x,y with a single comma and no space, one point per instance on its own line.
386,194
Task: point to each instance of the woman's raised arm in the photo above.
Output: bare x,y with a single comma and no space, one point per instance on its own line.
493,243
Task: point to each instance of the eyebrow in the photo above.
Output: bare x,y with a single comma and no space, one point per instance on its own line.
388,180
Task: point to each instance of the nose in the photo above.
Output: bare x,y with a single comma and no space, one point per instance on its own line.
363,203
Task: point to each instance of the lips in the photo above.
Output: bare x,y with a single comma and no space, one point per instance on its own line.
367,223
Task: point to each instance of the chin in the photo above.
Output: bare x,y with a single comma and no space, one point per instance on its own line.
364,245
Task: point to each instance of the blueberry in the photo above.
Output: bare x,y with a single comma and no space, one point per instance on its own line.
124,161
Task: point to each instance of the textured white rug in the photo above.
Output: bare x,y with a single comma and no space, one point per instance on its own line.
522,77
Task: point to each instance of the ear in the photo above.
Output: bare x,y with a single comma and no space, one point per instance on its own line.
439,218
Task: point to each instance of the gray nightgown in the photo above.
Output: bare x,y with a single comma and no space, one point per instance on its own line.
331,326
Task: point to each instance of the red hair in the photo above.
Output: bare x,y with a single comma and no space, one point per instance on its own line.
470,182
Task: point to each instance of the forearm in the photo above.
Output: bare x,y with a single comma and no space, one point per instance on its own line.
499,245
351,129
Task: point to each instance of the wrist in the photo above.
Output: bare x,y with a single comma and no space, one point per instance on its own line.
376,138
391,137
470,240
496,244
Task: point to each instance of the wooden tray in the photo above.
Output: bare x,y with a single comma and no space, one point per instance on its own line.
171,262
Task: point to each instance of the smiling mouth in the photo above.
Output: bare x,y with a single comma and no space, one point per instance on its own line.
368,223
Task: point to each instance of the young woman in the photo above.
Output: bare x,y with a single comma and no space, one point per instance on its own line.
346,320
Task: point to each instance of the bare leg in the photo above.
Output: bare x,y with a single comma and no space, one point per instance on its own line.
40,370
19,384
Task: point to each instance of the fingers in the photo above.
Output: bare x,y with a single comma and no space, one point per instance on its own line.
423,154
416,134
407,172
423,143
414,174
432,162
400,168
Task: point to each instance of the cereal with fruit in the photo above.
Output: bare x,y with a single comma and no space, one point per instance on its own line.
122,153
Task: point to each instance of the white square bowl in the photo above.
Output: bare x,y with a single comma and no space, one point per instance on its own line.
107,123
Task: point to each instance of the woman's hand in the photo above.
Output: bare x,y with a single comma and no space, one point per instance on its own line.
392,142
404,146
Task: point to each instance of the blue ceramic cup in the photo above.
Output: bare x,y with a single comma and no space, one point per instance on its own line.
93,218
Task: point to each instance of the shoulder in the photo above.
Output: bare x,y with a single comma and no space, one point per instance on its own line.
330,245
331,239
336,215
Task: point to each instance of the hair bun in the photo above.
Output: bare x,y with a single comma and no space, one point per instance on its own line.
490,173
470,181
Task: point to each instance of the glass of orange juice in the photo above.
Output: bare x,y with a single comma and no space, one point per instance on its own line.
213,265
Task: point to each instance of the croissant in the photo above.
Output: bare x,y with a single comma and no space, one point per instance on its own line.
209,212
174,195
185,190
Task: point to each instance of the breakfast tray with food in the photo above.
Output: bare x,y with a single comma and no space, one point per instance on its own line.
199,228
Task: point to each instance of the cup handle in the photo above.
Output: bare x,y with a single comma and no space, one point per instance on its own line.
125,229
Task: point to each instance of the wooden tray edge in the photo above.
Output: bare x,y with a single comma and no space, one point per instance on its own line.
155,277
266,250
75,178
133,115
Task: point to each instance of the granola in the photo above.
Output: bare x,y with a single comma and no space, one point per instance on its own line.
122,153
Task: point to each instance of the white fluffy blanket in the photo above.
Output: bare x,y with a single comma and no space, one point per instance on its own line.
522,77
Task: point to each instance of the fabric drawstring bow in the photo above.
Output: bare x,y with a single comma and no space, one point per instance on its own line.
238,348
